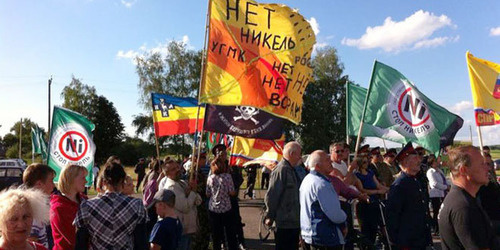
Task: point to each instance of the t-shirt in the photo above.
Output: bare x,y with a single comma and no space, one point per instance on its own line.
167,233
463,224
342,167
38,230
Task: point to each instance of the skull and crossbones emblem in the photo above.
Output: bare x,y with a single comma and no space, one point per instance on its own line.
246,113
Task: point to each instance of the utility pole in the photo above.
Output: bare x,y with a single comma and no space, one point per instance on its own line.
20,138
48,127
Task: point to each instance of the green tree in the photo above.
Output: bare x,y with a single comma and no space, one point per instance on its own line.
83,99
323,114
11,140
177,73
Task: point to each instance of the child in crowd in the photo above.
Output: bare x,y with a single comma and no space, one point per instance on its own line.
167,231
40,176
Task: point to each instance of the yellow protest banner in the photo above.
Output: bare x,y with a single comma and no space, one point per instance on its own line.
258,55
256,150
485,85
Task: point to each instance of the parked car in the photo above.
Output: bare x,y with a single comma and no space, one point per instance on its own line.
10,176
13,163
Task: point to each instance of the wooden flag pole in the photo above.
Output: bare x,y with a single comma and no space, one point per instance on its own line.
202,79
20,138
358,141
385,147
480,139
470,130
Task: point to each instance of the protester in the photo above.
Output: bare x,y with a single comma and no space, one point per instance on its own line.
407,205
200,174
486,149
18,209
385,175
489,195
128,186
389,157
264,178
167,232
140,170
186,200
150,189
251,170
113,220
40,176
340,169
438,187
322,220
219,189
282,199
369,213
463,224
64,206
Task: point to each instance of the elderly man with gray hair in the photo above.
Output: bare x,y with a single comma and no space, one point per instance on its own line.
282,198
322,221
463,223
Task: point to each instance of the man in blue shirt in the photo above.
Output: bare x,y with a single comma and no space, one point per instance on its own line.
322,221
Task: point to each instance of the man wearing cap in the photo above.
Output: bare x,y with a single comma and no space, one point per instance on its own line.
374,161
282,198
463,223
408,220
389,157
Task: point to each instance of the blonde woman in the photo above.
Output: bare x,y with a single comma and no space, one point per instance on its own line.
18,209
63,206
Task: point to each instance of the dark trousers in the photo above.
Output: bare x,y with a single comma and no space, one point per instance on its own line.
316,247
140,177
264,181
221,222
250,185
153,218
287,238
436,205
346,207
369,219
237,224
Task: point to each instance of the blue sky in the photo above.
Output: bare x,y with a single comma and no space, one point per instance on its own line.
95,40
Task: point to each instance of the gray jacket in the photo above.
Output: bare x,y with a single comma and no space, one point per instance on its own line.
282,197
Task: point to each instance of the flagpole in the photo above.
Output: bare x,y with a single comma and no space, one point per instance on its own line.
202,79
470,130
480,139
347,119
364,110
385,147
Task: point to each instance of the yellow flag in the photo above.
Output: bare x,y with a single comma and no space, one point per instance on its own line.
256,150
485,85
258,55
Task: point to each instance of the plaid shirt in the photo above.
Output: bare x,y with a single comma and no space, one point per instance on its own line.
111,220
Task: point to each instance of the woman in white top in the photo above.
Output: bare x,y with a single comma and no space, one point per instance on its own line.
438,187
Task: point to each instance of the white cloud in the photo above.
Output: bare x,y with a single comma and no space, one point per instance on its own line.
495,31
129,3
161,48
314,25
462,106
413,32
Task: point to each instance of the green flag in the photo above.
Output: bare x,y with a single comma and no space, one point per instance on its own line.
38,143
393,102
71,142
356,97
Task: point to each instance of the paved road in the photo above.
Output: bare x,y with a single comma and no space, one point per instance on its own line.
250,212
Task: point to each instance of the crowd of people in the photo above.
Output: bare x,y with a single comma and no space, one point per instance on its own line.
401,200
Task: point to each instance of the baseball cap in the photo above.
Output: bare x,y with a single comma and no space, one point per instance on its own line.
163,195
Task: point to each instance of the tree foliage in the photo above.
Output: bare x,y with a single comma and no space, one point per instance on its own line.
323,114
11,140
83,99
176,73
